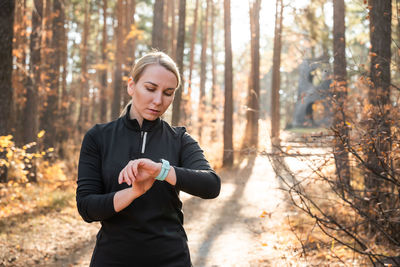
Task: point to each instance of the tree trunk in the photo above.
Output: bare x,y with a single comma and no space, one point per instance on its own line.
57,44
172,40
214,76
203,71
20,72
103,75
228,104
379,91
64,99
192,44
176,108
276,64
84,99
116,106
6,36
157,33
31,111
253,110
129,44
166,28
52,68
340,95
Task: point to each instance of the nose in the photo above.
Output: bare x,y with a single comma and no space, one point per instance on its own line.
157,100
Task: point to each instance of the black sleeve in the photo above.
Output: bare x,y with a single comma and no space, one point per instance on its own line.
92,202
195,176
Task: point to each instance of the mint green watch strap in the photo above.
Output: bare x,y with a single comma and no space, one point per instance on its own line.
164,170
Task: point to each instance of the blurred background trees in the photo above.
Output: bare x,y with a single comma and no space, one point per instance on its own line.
64,67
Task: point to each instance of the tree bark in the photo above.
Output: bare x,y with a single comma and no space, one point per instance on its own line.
20,73
176,108
31,110
6,36
203,71
52,69
172,40
157,33
84,92
103,75
340,95
214,76
192,44
228,76
379,91
116,106
166,27
276,64
129,44
253,110
64,105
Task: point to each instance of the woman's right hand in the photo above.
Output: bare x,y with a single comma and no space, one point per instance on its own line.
139,170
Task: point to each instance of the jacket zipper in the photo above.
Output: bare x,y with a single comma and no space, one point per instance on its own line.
143,137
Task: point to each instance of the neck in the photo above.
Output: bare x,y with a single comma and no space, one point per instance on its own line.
133,115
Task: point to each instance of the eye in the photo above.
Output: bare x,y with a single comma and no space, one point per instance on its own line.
168,93
151,89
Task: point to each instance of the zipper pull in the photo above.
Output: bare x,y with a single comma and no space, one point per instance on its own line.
144,136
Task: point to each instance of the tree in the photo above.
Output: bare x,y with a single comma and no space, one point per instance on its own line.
228,76
276,79
129,41
173,38
157,33
203,71
19,74
31,110
31,122
340,94
50,114
103,75
378,153
64,101
192,44
6,35
116,104
180,46
253,109
213,74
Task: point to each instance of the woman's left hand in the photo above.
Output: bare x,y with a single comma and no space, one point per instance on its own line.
139,170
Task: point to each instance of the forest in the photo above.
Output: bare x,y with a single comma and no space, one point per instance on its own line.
295,104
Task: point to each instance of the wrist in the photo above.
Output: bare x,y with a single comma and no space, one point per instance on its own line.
158,169
137,191
165,167
171,177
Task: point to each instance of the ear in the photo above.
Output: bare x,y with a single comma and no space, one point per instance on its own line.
130,88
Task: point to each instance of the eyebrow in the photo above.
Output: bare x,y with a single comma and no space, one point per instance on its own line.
156,85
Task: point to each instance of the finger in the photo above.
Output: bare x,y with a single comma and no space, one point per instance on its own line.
130,173
126,177
120,178
135,168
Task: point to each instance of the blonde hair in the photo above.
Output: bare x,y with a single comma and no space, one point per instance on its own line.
152,58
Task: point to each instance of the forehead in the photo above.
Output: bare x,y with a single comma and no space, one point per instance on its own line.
159,75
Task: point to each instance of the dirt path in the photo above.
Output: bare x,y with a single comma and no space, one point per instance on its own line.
244,226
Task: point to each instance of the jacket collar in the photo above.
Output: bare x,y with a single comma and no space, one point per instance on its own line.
133,124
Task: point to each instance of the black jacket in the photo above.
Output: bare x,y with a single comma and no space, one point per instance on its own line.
149,232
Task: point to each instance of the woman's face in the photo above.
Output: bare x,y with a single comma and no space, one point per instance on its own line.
152,93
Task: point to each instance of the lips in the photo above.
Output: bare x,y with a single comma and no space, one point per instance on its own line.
154,111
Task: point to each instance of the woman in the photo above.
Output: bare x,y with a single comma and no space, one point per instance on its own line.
132,169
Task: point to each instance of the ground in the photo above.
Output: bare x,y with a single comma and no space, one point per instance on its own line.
247,225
